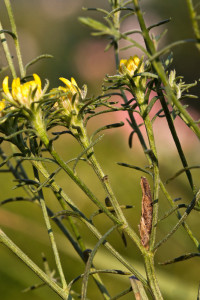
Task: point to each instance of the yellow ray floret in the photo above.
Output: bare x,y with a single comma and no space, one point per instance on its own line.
5,86
2,105
71,85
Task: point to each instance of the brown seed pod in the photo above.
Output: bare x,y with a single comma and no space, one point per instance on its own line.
147,213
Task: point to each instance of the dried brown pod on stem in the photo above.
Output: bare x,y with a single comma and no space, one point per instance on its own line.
147,213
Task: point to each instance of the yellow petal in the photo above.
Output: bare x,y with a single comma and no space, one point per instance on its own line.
71,85
123,62
136,60
130,64
5,85
16,83
73,81
16,87
2,105
25,88
62,89
66,81
37,81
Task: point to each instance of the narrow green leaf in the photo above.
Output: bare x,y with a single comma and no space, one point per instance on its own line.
134,167
95,25
37,59
159,23
181,171
9,32
170,46
85,151
109,126
15,199
180,258
67,213
123,293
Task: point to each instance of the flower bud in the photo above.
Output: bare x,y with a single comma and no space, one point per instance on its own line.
129,65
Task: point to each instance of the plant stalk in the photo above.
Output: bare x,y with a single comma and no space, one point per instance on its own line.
151,275
19,253
194,20
51,235
7,52
16,40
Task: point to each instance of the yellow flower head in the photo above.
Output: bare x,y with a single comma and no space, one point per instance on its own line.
129,65
23,93
70,90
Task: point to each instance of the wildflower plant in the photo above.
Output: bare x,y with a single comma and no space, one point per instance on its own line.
29,111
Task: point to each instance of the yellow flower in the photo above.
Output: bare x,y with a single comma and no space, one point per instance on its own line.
129,65
23,93
70,90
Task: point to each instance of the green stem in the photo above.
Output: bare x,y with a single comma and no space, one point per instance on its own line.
19,253
7,53
148,255
16,40
195,25
102,177
156,177
51,236
141,101
148,42
53,244
77,234
152,280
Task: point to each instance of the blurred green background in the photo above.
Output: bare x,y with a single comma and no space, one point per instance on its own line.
52,27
